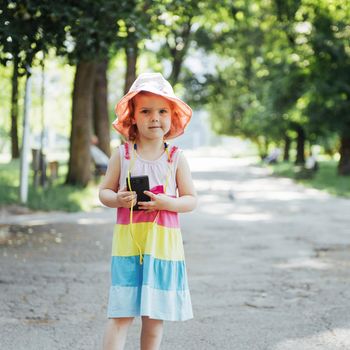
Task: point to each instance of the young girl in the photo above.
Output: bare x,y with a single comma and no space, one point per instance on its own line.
148,266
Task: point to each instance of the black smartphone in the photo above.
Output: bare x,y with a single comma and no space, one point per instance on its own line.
139,184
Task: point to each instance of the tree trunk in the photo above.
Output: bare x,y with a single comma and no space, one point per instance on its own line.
131,52
260,147
266,146
179,52
287,142
177,63
79,168
14,110
300,159
344,162
100,116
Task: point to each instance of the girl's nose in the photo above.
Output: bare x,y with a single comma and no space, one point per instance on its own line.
155,116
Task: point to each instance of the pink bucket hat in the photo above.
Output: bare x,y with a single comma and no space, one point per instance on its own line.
156,84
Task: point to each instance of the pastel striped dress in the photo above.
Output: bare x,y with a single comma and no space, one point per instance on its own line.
158,287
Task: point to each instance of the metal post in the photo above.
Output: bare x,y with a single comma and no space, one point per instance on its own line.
42,98
24,170
43,161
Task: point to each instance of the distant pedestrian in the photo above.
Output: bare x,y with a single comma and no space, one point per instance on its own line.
148,270
272,158
312,163
99,158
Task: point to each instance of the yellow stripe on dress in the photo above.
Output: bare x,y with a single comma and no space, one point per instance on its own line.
158,241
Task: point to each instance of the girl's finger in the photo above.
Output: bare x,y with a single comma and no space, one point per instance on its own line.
147,210
146,204
131,198
150,194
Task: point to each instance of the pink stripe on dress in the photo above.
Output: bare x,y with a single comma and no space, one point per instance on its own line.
166,218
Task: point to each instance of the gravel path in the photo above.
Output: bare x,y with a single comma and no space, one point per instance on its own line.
268,264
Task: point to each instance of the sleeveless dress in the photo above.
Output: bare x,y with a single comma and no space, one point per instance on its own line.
157,287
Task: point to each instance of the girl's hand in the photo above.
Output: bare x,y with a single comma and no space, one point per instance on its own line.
158,202
125,198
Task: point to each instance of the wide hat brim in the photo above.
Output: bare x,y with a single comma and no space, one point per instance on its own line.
181,111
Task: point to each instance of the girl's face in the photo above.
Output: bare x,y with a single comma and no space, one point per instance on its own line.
152,115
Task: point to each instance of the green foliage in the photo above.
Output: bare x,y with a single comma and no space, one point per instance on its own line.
5,98
281,64
56,197
26,28
177,22
90,27
83,29
232,92
278,63
325,179
139,19
329,92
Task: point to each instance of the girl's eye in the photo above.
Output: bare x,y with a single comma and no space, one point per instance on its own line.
163,111
144,111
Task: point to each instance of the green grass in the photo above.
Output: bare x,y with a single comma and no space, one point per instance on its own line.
326,178
57,196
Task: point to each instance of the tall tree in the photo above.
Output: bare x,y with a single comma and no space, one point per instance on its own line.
101,125
268,83
179,20
329,93
25,29
133,30
92,27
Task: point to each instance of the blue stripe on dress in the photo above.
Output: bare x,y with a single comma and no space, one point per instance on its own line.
157,304
156,273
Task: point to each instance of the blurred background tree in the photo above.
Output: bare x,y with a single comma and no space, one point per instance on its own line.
92,29
282,74
275,72
27,28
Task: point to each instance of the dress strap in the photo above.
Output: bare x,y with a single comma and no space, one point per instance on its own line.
171,153
127,150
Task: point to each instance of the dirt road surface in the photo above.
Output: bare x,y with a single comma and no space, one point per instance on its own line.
268,264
